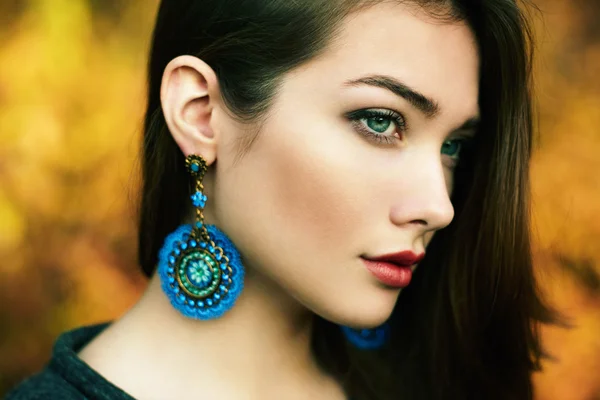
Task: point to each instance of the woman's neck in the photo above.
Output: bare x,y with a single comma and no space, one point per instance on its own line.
260,349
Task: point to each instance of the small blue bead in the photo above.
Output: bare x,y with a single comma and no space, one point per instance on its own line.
171,270
195,167
192,303
193,243
199,224
223,266
203,245
176,290
218,256
211,249
225,277
183,246
181,298
217,296
209,302
223,288
177,251
200,303
171,279
171,260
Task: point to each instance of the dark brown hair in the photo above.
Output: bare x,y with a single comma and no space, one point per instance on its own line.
466,328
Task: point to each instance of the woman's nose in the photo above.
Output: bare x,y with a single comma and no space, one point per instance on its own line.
424,197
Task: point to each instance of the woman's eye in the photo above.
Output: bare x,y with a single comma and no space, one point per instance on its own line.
454,148
382,126
378,124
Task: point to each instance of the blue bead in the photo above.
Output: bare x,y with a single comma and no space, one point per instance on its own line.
177,251
171,260
218,256
195,167
171,279
199,224
181,298
223,266
217,296
209,302
176,290
183,246
203,245
223,288
198,199
225,277
193,243
192,303
200,303
211,249
171,270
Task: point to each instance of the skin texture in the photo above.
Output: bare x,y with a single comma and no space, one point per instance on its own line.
303,204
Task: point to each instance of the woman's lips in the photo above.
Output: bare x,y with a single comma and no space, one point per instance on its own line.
390,274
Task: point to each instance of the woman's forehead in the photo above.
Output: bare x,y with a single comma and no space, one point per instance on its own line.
438,60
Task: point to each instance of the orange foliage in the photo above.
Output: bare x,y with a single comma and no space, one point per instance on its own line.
71,103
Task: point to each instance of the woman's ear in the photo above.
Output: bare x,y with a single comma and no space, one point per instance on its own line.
189,92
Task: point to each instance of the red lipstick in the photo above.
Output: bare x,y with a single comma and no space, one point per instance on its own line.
393,269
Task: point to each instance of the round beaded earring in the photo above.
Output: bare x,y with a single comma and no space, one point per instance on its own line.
200,269
367,339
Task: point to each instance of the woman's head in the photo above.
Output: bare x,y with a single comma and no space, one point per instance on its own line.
338,130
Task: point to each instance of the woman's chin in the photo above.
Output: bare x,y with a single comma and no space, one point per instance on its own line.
364,315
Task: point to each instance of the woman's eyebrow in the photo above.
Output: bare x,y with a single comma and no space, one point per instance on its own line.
426,105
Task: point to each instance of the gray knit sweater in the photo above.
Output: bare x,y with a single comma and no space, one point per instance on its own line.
66,376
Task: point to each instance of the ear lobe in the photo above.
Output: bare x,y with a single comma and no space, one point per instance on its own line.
188,92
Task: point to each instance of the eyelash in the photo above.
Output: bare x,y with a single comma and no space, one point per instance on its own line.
356,117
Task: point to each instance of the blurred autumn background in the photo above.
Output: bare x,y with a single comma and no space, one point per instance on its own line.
71,103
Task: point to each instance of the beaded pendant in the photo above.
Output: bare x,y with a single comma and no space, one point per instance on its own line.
200,269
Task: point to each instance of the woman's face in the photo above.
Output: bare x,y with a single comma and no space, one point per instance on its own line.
355,160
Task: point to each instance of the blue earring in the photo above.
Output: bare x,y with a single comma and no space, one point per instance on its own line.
200,269
367,339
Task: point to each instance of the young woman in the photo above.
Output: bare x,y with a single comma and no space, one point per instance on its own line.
335,206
